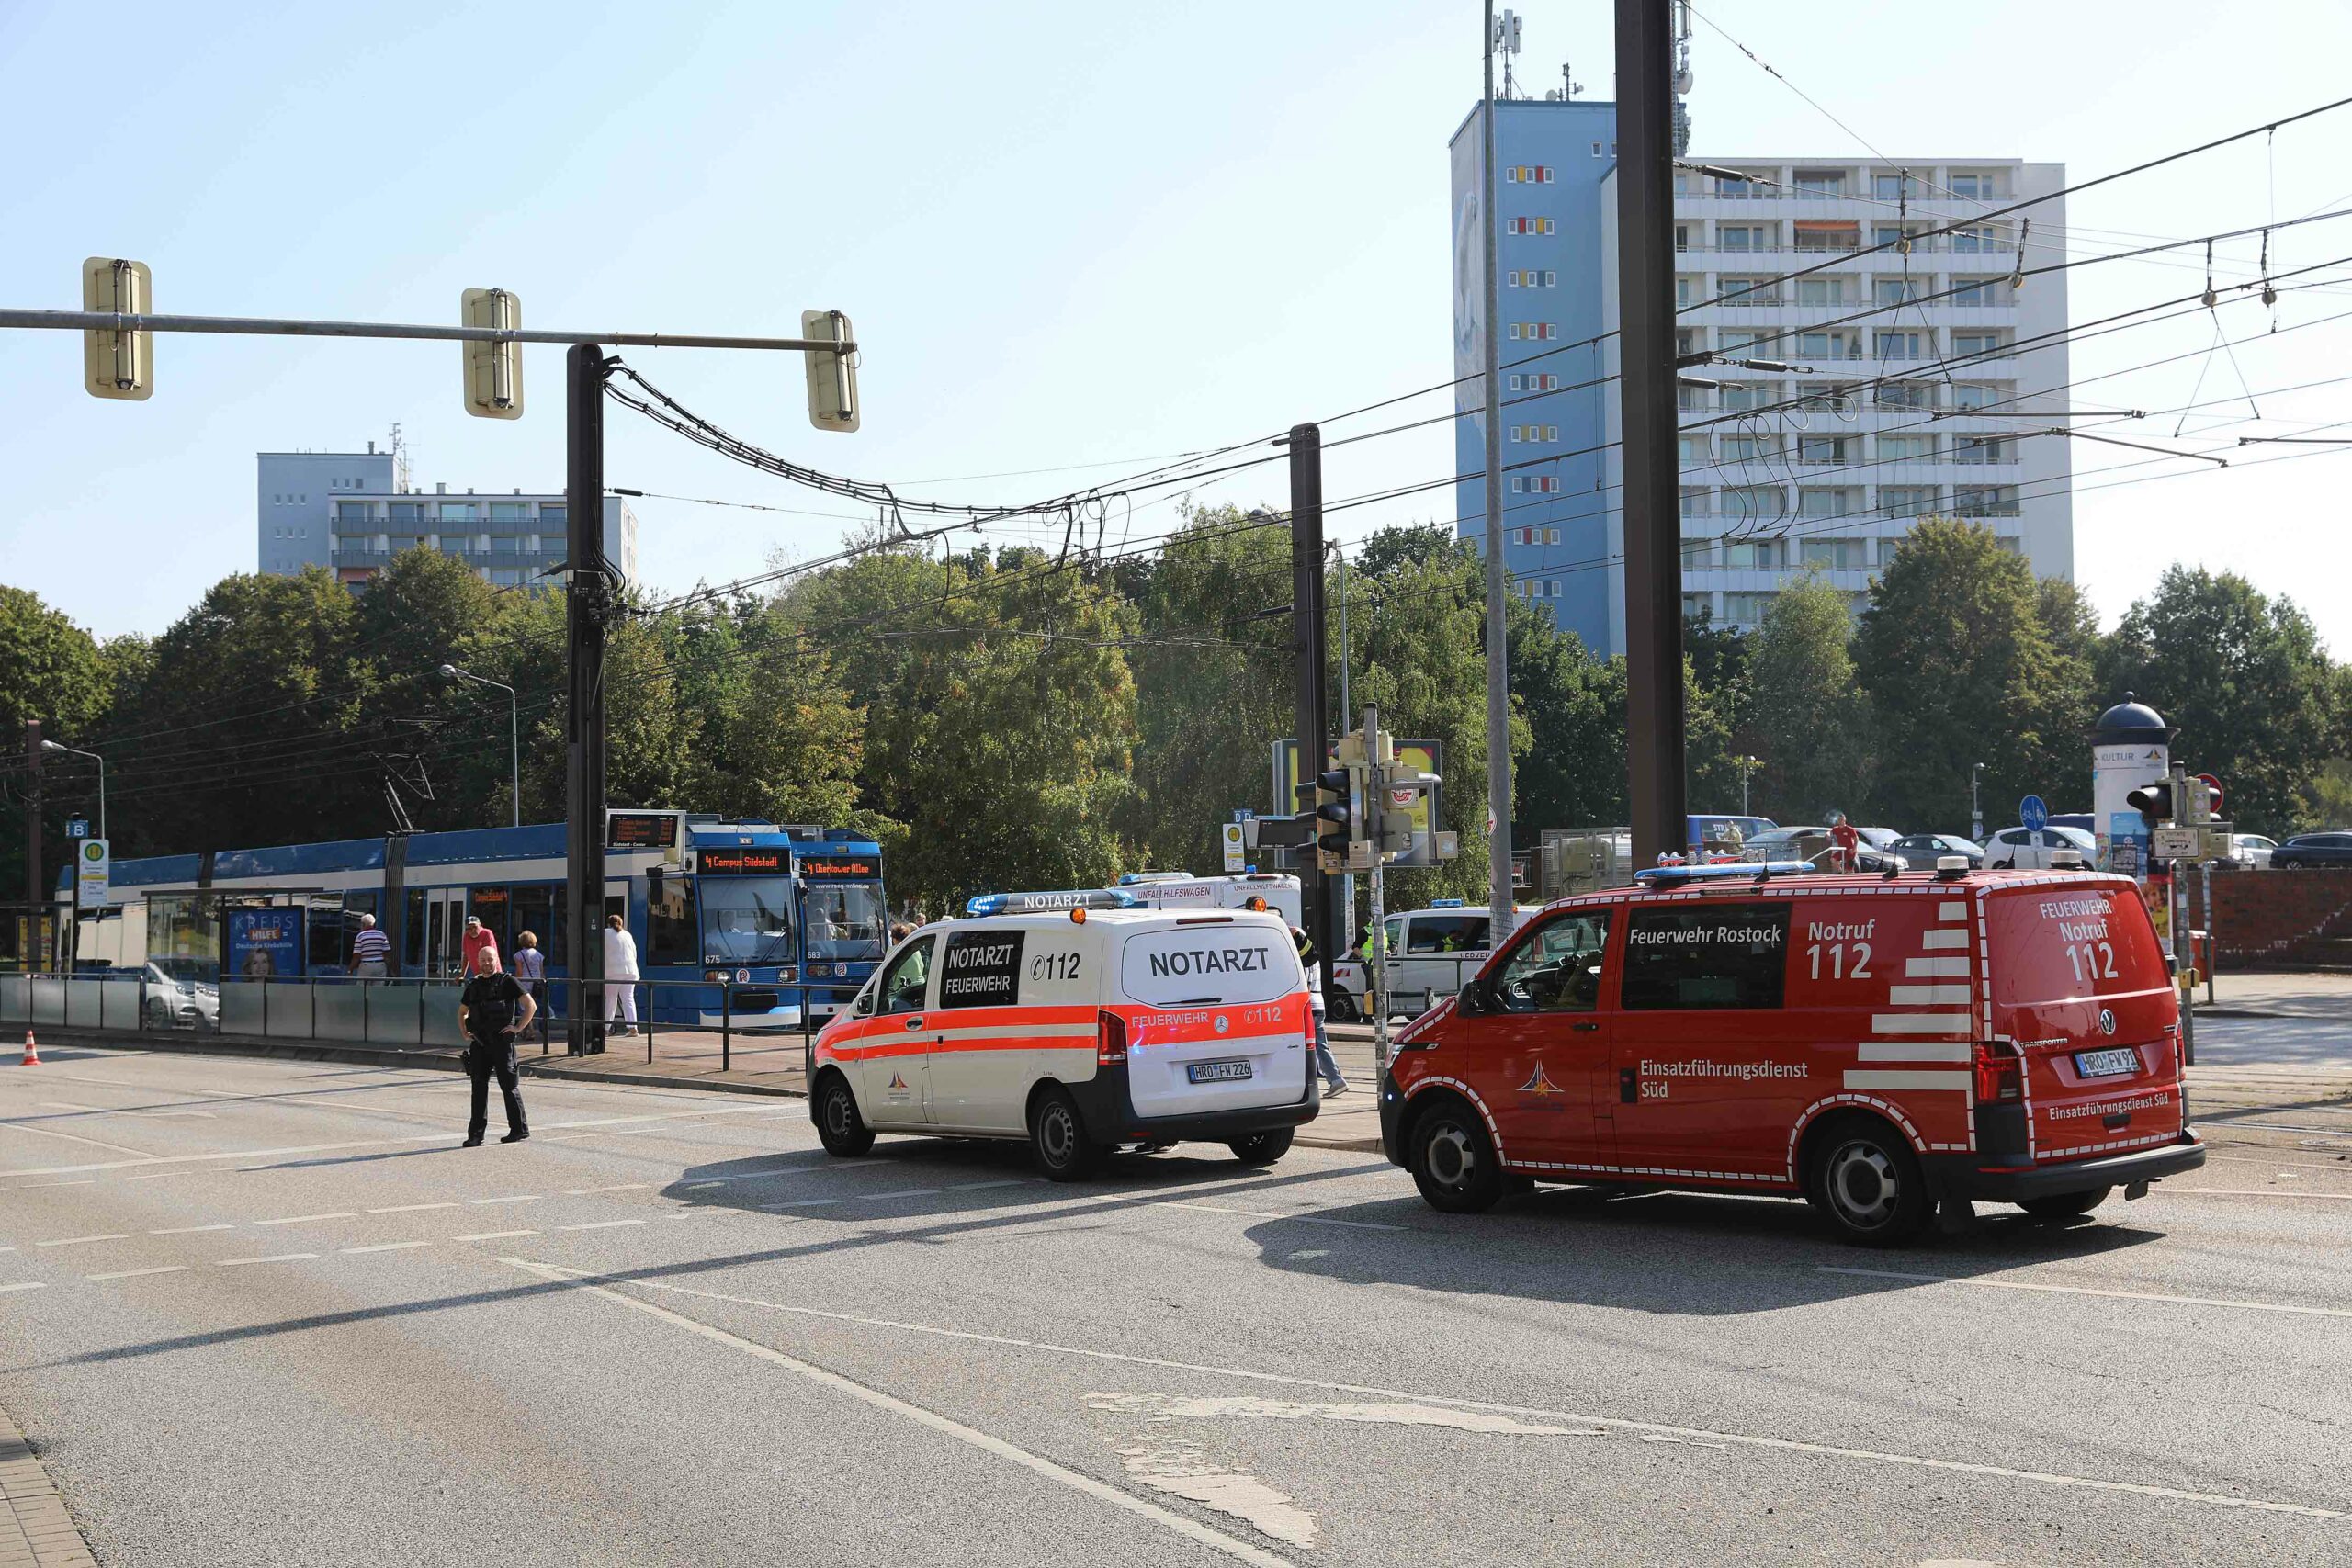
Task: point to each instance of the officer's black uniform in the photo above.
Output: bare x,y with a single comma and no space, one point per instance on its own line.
490,1002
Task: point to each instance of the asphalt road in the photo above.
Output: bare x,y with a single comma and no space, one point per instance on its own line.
266,1313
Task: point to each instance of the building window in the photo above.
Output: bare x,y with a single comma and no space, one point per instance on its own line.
1596,149
1830,290
1755,503
1837,555
1820,182
1750,448
1895,290
1741,236
1512,383
1896,345
1904,394
1907,500
1893,187
1984,501
1553,591
1977,187
1745,397
1694,501
1690,448
1748,291
1906,448
1827,235
1827,503
1977,345
1745,609
1975,451
1551,535
1975,395
1981,293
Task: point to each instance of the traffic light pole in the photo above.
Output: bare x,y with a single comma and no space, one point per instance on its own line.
587,604
34,895
1317,905
1653,719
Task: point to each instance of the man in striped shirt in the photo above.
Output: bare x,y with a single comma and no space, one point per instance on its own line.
371,950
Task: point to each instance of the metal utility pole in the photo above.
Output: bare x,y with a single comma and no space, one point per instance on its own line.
1653,719
1347,921
587,601
1307,642
1498,883
33,894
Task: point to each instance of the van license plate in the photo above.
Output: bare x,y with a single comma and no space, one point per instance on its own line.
2114,1062
1216,1072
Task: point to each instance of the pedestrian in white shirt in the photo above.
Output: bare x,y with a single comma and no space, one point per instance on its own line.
620,976
1334,1082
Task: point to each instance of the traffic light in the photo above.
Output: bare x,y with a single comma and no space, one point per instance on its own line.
833,375
1402,791
2154,803
1338,814
117,365
493,368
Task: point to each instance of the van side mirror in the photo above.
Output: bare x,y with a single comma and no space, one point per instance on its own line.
1477,997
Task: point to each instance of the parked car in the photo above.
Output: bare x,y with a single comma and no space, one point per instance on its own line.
1921,851
1431,953
2252,850
2030,849
2314,848
175,1003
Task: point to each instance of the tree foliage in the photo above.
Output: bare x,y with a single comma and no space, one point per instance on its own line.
1806,701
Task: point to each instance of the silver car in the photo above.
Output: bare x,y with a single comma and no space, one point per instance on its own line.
174,1003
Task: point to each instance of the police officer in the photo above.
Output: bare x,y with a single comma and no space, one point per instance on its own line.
492,1009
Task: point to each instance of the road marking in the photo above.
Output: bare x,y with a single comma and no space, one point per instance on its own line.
584,1192
1265,1214
903,1192
698,1186
2250,1192
509,1198
77,1138
799,1204
138,1273
78,1240
25,1285
27,1186
2087,1290
411,1208
104,1111
1193,1529
600,1225
491,1236
305,1219
191,1230
1615,1423
388,1246
984,1186
273,1258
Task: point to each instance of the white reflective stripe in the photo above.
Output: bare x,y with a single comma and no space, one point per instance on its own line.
1932,941
1867,1078
1018,1030
1928,968
1928,996
1914,1051
1920,1023
1953,909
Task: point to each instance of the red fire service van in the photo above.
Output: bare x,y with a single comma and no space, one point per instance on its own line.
1871,1043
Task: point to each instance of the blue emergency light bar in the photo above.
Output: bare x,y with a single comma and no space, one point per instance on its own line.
1054,902
1729,873
1447,904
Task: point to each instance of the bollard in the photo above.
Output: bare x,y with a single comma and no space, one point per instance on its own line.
651,995
725,1021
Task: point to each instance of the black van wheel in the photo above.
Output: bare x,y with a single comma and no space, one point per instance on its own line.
1261,1148
839,1126
1454,1161
1344,1008
1058,1140
1870,1186
2066,1205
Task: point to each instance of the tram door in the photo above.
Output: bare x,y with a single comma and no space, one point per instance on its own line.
445,910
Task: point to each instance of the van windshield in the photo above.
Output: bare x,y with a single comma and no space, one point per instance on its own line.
2071,943
1214,964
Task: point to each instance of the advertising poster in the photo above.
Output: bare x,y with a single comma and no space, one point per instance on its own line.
265,943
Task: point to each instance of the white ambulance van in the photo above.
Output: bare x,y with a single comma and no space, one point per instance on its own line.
1078,1031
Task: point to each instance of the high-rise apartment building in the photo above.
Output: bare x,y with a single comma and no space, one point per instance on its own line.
351,512
1916,364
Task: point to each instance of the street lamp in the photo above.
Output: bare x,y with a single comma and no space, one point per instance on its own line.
1975,815
101,761
513,733
1746,766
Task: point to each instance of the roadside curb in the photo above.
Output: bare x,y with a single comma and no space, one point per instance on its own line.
35,1527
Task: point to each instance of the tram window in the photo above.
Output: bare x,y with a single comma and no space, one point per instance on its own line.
413,947
489,905
329,947
670,921
533,910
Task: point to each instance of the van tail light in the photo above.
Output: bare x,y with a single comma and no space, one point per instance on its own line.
1110,1038
2000,1074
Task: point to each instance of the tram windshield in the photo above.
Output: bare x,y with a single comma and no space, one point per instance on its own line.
847,919
746,920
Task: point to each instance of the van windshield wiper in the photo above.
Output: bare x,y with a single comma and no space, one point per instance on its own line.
1195,1001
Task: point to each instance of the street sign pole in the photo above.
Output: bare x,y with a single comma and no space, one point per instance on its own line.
587,600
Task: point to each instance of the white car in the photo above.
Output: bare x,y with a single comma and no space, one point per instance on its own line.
2252,850
175,1003
1433,953
2030,849
1077,1031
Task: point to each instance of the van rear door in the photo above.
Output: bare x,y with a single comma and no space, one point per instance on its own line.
2079,985
1216,1015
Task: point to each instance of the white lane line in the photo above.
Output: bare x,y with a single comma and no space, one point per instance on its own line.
138,1273
305,1219
617,1187
1647,1429
435,1137
78,1240
2250,1192
509,1198
411,1208
491,1236
273,1258
799,1203
984,1186
1192,1529
159,1175
1267,1214
192,1230
600,1225
903,1192
27,1186
8,1250
77,1138
698,1186
2088,1290
25,1285
387,1246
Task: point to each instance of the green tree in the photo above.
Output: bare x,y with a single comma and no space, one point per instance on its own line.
2245,677
52,671
1959,667
1807,712
1573,774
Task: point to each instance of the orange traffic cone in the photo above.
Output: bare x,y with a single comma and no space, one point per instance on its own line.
32,1049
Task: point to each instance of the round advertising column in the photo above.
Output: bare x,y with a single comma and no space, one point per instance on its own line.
2131,746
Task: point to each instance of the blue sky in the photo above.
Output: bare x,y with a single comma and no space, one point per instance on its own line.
1072,238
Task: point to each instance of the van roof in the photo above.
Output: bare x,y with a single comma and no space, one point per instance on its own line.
1117,919
1781,885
